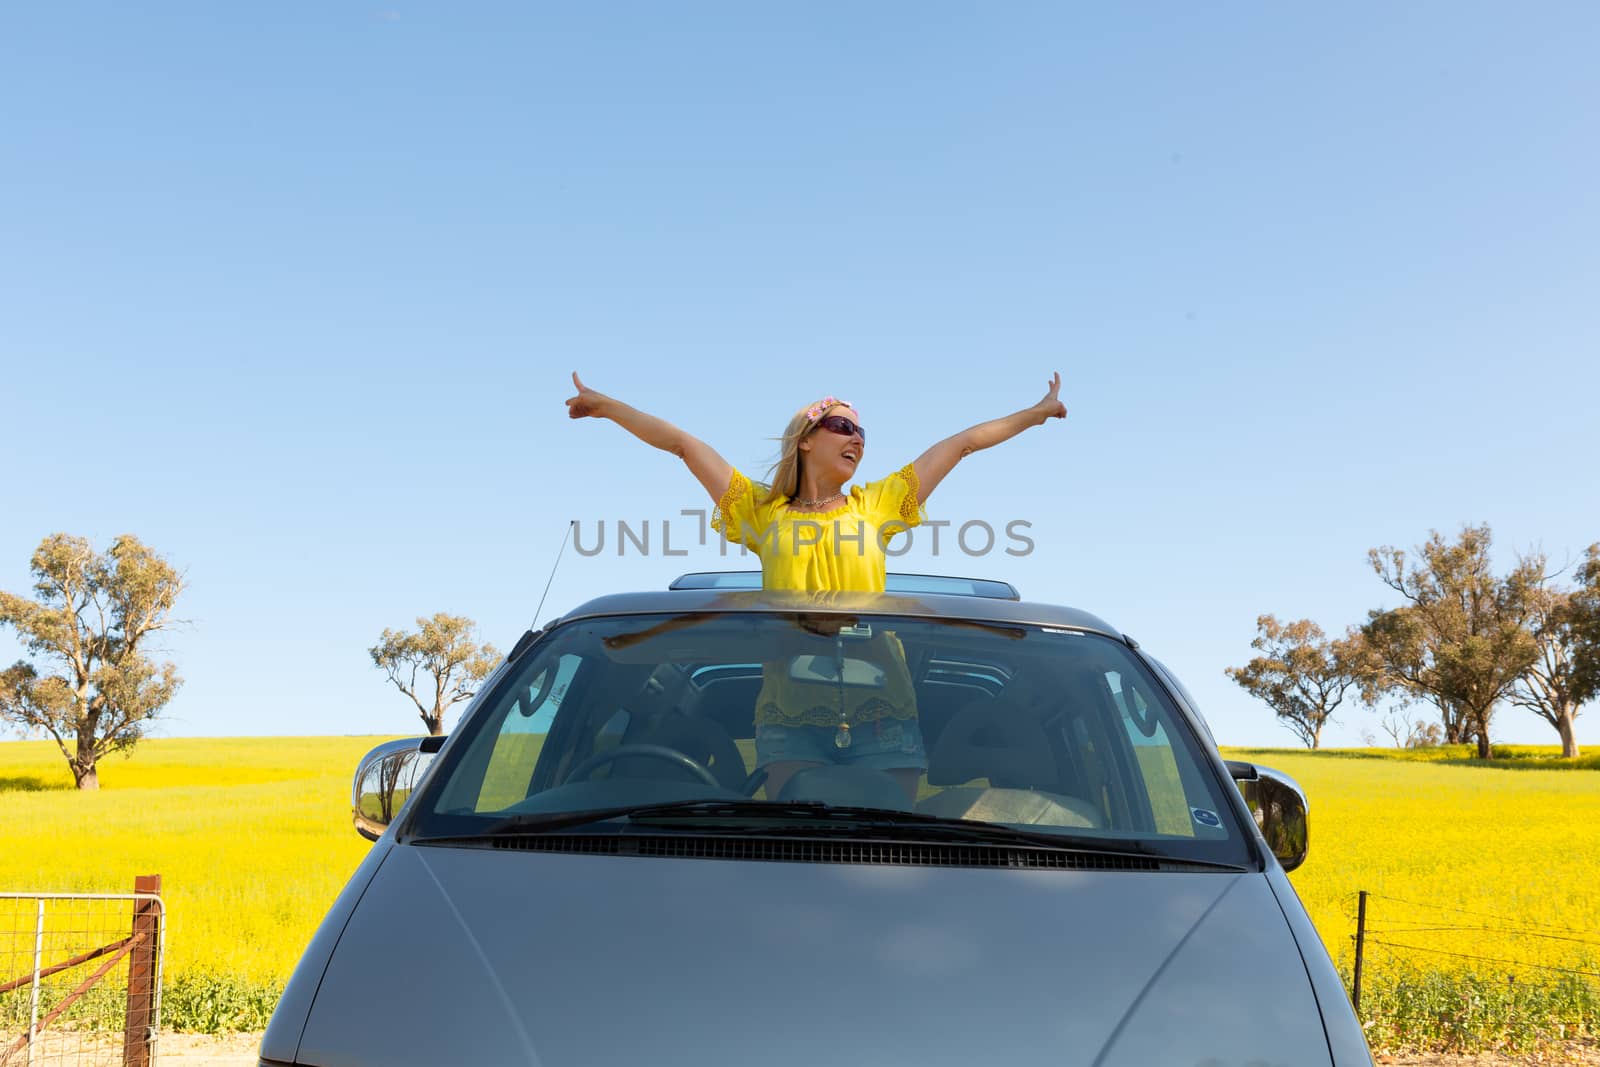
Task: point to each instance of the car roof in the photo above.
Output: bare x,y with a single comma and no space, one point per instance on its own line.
924,605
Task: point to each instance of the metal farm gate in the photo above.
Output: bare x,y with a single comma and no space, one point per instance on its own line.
80,977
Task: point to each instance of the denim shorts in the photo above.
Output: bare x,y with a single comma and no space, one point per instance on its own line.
883,745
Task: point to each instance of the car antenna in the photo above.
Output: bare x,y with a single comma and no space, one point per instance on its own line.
570,524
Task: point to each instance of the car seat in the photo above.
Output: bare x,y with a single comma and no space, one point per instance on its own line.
993,739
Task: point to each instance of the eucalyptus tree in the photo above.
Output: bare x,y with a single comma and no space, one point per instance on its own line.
1462,638
90,685
1301,674
445,654
1585,620
1550,687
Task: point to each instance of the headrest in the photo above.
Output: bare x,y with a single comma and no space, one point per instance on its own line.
993,739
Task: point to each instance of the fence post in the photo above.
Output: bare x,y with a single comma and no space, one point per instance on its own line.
33,988
1361,942
142,974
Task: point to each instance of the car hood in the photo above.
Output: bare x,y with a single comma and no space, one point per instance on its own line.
486,956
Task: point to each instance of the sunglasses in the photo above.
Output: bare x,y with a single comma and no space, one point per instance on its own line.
843,426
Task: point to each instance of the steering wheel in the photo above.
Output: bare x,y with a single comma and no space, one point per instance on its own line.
656,752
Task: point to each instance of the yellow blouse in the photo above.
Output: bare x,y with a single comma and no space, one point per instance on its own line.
813,551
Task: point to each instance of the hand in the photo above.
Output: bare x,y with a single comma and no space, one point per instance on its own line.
588,403
1051,406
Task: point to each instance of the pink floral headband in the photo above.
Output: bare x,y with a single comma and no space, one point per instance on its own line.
815,411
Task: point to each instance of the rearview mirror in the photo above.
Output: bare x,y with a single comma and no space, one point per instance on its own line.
857,673
1280,809
384,780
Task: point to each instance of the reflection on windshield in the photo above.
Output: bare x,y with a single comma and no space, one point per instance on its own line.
1032,728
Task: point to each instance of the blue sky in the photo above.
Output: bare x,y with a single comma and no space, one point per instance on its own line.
293,291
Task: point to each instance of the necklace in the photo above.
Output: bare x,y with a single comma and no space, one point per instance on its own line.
817,503
841,736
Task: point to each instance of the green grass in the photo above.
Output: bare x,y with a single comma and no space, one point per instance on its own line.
1420,1009
195,1001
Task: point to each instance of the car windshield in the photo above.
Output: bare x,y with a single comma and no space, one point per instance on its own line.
1049,730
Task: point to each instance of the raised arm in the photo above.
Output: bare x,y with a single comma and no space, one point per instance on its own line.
709,469
940,460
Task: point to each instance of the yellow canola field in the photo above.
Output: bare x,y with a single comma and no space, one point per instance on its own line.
1462,858
253,839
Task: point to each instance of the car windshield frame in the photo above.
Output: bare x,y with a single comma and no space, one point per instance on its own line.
967,645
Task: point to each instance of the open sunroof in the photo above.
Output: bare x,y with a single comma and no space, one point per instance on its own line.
893,583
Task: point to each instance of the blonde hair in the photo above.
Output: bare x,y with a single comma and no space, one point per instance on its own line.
783,480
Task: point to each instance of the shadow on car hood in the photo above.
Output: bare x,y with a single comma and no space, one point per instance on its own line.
472,955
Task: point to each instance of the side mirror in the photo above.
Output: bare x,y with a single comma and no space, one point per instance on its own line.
384,780
1280,808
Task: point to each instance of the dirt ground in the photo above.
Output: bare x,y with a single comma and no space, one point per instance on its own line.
239,1050
208,1050
59,1049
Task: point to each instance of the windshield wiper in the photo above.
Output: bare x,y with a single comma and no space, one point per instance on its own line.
541,822
810,817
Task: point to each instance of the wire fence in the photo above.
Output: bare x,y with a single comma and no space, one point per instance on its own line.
80,981
1395,925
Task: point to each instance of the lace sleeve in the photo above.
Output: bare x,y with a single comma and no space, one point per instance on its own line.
736,509
910,506
893,503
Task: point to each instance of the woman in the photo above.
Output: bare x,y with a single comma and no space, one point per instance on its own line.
813,536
